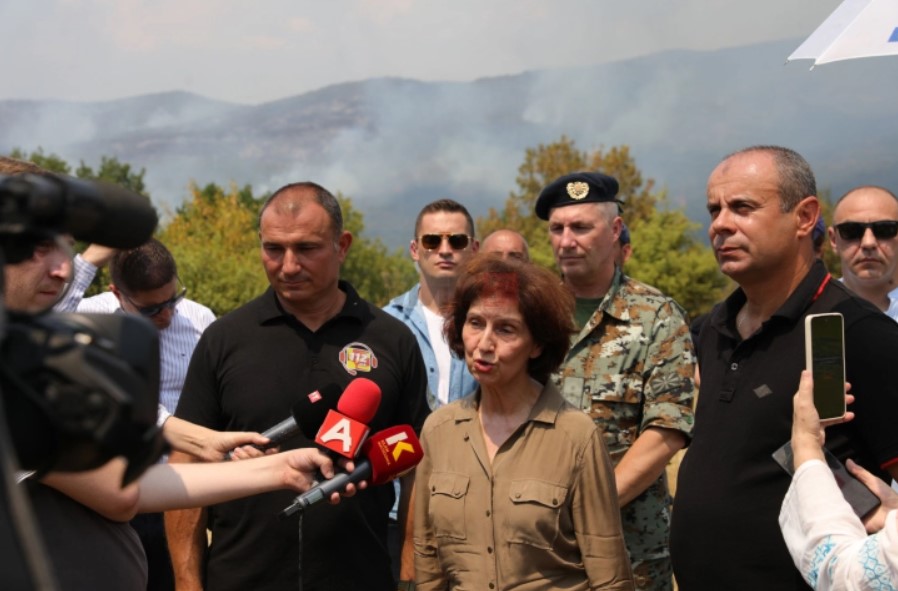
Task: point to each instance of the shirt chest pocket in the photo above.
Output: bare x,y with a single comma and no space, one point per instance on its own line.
534,513
448,491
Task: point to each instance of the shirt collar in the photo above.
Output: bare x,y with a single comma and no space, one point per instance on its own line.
271,310
545,410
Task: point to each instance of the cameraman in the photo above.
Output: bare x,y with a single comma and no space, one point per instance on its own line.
83,516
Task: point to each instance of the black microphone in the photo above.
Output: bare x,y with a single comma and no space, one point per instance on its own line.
387,454
91,211
305,416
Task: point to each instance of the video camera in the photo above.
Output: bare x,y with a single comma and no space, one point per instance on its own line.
76,390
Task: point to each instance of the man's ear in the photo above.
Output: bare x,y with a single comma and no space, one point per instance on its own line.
413,250
807,211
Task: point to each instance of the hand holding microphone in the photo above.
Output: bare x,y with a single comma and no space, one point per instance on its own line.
386,455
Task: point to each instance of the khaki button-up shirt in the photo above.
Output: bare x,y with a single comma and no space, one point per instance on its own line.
542,515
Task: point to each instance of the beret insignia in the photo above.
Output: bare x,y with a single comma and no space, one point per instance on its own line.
577,190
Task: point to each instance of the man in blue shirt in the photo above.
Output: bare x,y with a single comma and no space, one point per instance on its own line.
442,245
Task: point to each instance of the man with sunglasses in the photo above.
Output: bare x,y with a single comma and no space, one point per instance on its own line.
865,236
443,242
725,532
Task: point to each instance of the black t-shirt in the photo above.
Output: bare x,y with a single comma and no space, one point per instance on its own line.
725,533
248,370
86,550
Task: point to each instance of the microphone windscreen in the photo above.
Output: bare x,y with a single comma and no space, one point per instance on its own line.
360,400
392,452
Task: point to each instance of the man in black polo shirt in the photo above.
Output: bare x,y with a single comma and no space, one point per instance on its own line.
724,533
251,367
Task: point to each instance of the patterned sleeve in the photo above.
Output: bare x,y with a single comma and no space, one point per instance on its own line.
826,539
82,276
669,386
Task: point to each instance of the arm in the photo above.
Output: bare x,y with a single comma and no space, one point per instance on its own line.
207,444
82,275
177,486
826,539
406,520
185,531
645,461
429,574
596,519
667,415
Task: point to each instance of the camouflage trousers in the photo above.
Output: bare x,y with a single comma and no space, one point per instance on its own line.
653,575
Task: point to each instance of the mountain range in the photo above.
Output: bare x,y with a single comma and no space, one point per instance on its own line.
394,144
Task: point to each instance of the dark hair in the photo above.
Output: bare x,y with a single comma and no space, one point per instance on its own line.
322,196
448,206
545,304
145,268
796,179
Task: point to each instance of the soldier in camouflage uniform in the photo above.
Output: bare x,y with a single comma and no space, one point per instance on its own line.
631,367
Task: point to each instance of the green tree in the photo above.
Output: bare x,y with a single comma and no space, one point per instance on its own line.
51,162
667,253
376,273
212,238
111,170
547,162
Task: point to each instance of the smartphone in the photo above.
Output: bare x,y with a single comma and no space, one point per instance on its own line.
824,346
861,498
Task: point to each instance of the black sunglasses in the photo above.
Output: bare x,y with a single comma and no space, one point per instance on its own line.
882,229
456,241
150,311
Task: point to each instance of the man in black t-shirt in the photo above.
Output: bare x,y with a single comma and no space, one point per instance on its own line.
250,368
724,532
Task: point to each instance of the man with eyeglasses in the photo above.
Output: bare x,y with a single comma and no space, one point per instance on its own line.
443,242
725,532
865,226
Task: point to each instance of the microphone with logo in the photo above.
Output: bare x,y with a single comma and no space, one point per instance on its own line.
305,416
387,455
344,430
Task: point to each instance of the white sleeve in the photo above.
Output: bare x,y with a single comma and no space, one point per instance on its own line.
82,276
828,542
162,416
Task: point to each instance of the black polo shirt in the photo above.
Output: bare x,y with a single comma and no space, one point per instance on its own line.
248,370
724,532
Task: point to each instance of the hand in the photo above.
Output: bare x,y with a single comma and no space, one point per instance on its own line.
888,497
97,255
246,452
302,466
807,432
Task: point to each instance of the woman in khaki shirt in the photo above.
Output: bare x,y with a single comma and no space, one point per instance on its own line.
515,490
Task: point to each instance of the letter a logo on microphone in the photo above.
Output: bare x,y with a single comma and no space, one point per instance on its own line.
341,434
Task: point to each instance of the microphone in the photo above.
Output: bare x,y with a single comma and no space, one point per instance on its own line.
91,211
305,416
388,454
343,430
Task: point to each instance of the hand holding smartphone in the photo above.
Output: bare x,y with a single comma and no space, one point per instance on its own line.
824,340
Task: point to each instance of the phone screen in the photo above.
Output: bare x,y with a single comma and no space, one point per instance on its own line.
827,364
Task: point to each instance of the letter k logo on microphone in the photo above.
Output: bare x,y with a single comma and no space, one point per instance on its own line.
400,445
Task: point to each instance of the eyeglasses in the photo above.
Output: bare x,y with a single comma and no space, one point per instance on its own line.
150,311
882,229
456,241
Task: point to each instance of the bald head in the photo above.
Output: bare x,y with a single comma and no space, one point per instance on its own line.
507,244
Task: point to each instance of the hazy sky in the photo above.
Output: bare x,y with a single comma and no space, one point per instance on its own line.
252,52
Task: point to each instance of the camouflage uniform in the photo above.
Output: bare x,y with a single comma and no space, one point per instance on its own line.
632,367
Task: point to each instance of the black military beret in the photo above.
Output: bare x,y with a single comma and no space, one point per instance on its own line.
571,189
